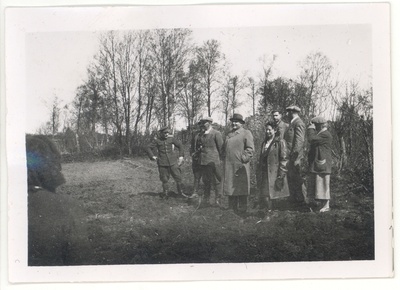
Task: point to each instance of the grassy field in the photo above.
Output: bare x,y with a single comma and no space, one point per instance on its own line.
129,224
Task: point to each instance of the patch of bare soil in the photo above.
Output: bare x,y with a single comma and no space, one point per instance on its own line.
128,223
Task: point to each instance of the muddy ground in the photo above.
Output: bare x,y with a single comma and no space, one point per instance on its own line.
129,224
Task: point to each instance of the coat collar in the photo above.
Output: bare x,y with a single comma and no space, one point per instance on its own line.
208,131
234,133
294,119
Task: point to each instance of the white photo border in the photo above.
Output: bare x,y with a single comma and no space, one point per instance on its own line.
20,21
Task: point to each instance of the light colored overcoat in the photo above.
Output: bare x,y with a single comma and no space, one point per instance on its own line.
238,150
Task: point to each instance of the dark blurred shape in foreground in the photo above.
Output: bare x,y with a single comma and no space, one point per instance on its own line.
57,232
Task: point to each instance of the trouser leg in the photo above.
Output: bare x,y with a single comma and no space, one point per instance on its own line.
297,187
233,203
217,176
196,177
242,203
164,177
176,175
207,180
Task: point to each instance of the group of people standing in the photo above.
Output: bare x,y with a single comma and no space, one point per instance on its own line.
223,164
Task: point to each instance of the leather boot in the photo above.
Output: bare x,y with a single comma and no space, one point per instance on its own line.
180,190
164,194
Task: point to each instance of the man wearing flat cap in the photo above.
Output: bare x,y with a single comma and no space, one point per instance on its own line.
209,160
238,150
320,162
294,137
167,159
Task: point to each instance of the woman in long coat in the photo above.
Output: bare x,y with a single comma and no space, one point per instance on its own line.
238,150
320,161
271,171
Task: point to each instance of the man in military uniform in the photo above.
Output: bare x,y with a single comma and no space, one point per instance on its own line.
280,126
168,163
295,137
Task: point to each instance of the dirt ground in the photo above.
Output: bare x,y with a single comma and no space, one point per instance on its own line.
128,223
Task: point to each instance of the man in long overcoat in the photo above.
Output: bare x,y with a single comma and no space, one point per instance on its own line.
167,159
238,150
295,137
320,161
210,155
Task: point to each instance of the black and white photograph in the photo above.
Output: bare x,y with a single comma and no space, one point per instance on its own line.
198,143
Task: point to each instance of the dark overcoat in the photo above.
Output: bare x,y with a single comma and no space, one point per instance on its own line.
57,232
238,149
167,156
321,149
272,163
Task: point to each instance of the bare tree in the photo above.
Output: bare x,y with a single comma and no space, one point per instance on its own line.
264,83
252,94
191,99
55,116
316,77
108,68
126,59
170,49
209,58
142,68
238,85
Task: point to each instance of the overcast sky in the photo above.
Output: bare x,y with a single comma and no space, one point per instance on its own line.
56,60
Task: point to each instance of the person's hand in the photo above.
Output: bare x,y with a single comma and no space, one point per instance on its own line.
180,161
245,158
154,158
279,183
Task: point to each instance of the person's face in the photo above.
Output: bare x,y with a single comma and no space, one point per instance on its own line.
277,116
236,125
290,114
207,125
164,134
318,127
270,132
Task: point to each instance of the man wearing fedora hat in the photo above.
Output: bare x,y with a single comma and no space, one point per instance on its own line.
238,150
168,163
294,137
320,161
209,160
